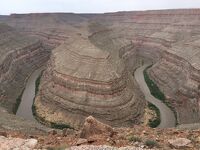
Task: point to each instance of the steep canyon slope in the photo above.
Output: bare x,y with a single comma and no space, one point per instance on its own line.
19,57
89,72
170,39
83,80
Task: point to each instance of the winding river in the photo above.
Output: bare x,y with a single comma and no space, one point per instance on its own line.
25,107
167,116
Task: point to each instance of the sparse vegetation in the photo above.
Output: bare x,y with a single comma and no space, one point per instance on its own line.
133,138
59,125
151,143
37,83
18,101
155,91
40,119
156,121
48,123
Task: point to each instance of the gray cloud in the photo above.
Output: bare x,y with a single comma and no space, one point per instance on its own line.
91,6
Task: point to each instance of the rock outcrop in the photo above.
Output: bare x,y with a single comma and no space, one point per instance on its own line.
179,143
17,143
94,127
83,80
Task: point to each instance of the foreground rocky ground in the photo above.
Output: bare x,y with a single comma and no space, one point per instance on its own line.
96,135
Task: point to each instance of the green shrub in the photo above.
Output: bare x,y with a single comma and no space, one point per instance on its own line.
155,91
155,122
151,143
37,83
59,125
133,138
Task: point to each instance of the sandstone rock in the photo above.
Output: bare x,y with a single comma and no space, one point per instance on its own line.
85,80
81,141
17,143
103,147
30,143
94,127
179,142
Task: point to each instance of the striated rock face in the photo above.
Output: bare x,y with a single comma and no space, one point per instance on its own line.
83,80
19,56
180,82
89,74
51,28
170,39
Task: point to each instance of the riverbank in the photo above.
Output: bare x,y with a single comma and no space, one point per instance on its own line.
157,93
167,116
40,119
25,107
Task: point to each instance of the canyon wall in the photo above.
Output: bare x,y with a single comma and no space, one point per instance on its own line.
51,28
170,39
83,80
20,56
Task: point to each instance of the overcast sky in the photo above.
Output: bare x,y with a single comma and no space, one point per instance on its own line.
90,6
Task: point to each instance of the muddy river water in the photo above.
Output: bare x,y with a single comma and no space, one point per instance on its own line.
25,107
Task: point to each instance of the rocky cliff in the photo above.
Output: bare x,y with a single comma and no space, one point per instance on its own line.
168,38
20,55
51,28
82,80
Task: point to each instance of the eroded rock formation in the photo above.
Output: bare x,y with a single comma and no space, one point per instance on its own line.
51,28
89,74
20,55
170,39
83,80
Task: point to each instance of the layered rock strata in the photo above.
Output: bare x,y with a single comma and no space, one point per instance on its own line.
19,56
170,39
82,80
180,82
51,28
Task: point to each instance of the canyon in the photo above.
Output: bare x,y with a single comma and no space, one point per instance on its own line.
90,60
20,56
